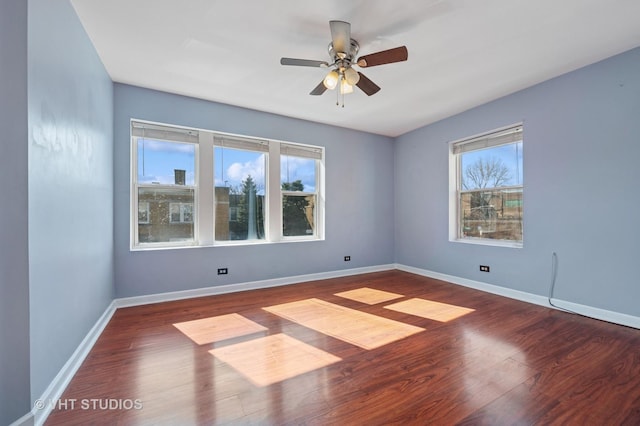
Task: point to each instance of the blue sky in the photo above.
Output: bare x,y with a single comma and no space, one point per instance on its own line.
510,155
157,161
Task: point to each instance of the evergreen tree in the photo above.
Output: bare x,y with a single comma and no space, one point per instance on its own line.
294,209
250,221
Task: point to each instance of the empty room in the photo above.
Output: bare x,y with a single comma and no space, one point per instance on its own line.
336,213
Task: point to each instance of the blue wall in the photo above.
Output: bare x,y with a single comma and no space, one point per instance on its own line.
359,206
70,187
581,175
14,266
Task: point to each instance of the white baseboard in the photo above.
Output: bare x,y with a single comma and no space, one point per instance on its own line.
252,285
478,285
597,313
588,311
59,383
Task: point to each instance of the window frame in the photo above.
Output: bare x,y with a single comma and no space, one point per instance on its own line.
506,135
204,207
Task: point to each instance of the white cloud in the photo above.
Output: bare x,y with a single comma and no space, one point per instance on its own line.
237,172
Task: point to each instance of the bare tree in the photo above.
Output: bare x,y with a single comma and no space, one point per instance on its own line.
485,173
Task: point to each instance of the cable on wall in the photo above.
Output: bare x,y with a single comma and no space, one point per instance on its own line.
554,274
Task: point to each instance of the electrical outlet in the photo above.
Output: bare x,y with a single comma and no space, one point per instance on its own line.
347,258
484,268
223,271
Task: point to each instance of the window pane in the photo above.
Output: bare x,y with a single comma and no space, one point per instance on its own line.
169,215
143,212
297,173
492,167
239,194
298,215
494,214
167,163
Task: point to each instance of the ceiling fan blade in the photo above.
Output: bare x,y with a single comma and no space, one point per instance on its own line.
319,89
303,62
367,86
340,35
390,56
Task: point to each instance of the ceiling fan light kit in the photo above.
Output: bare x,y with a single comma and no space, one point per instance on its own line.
342,51
331,80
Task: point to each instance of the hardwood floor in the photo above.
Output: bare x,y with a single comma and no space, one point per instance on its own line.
496,361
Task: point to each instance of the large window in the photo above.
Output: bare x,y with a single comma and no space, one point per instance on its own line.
486,188
197,187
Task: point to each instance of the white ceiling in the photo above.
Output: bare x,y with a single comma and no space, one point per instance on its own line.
462,53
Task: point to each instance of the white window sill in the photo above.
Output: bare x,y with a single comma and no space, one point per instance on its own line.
238,243
488,242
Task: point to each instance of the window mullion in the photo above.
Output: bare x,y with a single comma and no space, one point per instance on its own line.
203,220
274,195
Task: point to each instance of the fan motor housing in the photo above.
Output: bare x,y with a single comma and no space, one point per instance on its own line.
345,58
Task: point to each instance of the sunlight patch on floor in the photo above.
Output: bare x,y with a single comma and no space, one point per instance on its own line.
215,329
358,328
370,296
429,309
272,359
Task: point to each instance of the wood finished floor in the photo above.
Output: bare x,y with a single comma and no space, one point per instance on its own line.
505,362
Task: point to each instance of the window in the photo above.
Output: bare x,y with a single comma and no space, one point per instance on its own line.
164,180
486,188
299,190
240,188
197,187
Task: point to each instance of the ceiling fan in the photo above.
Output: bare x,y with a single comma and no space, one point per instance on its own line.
343,50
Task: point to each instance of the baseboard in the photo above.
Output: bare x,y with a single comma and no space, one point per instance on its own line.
597,313
252,285
59,383
584,310
478,285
